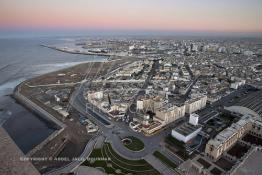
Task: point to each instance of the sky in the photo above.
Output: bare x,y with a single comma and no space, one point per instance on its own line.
231,16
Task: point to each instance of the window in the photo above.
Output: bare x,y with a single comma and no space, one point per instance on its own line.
211,149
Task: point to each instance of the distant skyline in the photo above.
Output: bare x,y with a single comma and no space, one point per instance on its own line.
189,16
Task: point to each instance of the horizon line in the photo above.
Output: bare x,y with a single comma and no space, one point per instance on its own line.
114,32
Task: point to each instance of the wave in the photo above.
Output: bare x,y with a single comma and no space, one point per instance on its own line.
4,67
8,87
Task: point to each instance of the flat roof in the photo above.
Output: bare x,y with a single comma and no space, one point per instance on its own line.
231,130
186,129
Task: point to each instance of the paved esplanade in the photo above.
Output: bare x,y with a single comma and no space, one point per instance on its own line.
85,170
158,165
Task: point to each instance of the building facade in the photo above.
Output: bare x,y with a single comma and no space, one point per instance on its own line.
195,104
170,114
229,136
185,132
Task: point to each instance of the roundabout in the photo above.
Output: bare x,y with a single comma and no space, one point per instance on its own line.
110,162
132,143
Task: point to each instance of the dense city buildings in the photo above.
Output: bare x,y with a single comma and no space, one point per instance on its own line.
138,87
179,106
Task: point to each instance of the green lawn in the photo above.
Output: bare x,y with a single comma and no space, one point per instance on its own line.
135,145
164,159
112,163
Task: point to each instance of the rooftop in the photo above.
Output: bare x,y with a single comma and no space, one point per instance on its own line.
186,129
230,131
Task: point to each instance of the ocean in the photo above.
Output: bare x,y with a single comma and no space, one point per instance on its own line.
21,59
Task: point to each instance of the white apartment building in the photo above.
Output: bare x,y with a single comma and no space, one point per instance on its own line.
170,114
195,103
149,104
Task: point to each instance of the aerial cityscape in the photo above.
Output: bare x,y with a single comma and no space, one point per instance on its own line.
130,88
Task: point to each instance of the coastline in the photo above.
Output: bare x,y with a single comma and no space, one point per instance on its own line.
44,114
75,52
24,94
27,108
39,112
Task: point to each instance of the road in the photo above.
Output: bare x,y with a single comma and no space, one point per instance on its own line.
74,164
114,131
117,130
158,165
141,92
118,81
190,87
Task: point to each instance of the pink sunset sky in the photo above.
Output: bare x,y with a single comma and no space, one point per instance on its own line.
155,15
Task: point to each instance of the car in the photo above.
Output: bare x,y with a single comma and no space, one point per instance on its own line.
83,120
